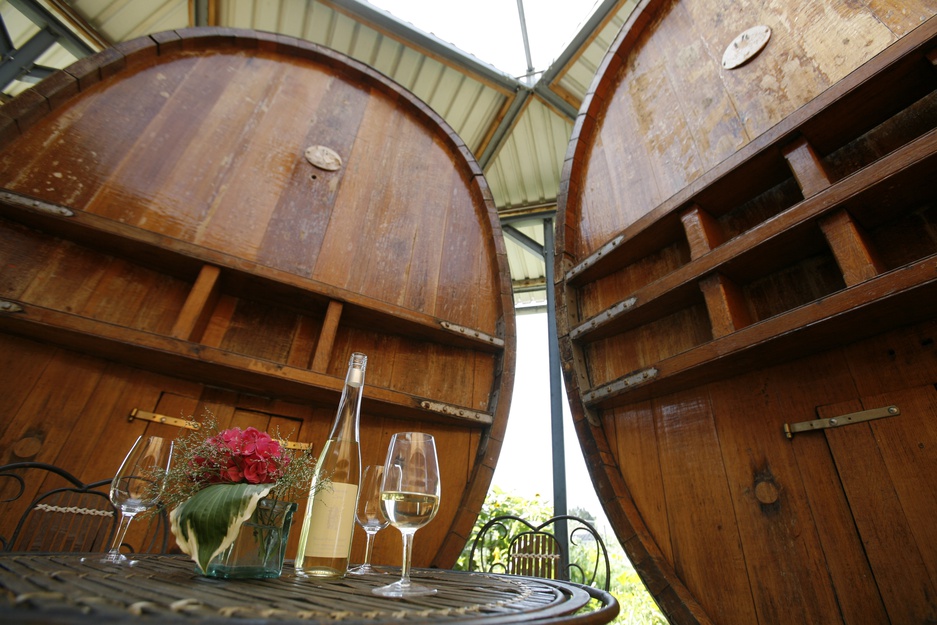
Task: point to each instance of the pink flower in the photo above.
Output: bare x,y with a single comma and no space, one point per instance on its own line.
232,472
238,456
231,439
256,470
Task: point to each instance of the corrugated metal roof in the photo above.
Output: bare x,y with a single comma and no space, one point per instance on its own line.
519,133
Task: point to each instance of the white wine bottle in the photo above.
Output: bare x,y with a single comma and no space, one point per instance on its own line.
329,522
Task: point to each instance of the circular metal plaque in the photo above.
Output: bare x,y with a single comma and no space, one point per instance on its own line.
324,158
744,47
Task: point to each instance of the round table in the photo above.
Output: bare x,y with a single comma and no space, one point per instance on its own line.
61,589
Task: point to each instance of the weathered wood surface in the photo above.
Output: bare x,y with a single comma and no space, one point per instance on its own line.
740,249
172,250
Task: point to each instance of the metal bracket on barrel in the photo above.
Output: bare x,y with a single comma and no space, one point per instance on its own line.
15,199
452,327
633,379
457,411
835,422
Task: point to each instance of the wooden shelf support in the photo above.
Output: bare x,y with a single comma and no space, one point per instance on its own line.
854,254
304,341
702,231
199,305
323,355
725,303
807,167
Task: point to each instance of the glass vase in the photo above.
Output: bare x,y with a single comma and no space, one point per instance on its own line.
260,546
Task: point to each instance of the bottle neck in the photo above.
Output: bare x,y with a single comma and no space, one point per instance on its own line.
349,408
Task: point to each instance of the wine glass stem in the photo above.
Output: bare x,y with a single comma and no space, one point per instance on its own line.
367,548
125,520
407,553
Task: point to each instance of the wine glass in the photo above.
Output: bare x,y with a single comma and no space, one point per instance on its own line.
410,499
369,514
137,486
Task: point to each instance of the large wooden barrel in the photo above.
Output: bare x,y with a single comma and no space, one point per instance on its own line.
215,220
747,306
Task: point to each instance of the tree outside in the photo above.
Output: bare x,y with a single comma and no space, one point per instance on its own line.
637,605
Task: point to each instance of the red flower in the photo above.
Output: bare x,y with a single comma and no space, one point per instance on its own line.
237,456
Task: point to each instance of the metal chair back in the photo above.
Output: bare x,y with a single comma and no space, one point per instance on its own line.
57,512
510,544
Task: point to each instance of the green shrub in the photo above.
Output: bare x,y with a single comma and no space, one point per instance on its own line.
637,605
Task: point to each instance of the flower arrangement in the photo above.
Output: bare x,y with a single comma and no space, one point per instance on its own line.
218,479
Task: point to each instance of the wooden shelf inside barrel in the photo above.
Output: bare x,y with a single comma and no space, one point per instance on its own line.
773,243
703,256
185,260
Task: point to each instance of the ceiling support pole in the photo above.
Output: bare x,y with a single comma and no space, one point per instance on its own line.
556,399
523,20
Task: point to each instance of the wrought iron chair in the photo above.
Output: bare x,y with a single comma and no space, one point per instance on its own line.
510,544
66,515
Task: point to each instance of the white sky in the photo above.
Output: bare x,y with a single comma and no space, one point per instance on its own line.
490,29
525,464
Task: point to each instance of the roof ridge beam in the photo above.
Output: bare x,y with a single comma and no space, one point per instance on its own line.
407,33
46,19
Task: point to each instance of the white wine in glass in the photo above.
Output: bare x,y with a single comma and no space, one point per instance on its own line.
137,486
410,499
369,514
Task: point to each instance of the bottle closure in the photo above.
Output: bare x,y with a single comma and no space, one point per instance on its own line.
356,368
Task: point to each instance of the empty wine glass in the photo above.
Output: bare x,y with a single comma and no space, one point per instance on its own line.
137,486
410,499
369,514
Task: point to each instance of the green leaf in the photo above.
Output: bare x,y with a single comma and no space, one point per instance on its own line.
207,523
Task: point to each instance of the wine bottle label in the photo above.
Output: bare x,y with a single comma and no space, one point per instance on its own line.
332,521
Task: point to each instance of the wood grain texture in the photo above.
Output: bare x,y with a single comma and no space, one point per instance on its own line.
878,467
185,151
861,602
255,196
784,555
694,477
725,519
641,130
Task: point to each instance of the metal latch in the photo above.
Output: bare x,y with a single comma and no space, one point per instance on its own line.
158,418
194,425
835,422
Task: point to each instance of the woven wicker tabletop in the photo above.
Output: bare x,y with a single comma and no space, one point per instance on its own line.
63,589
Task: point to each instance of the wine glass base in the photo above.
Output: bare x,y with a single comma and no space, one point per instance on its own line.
365,569
111,558
400,589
